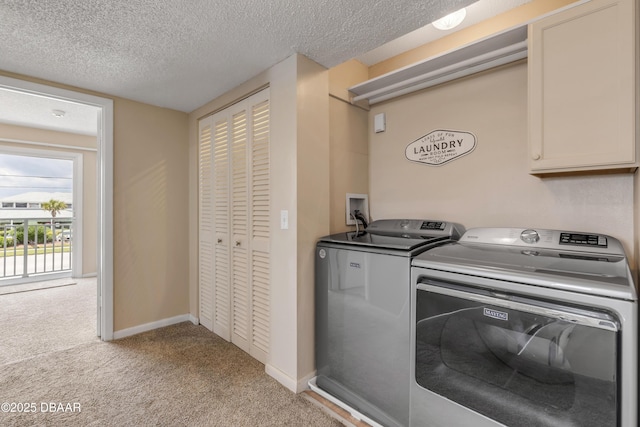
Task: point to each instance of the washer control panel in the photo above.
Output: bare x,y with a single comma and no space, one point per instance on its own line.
417,227
432,225
578,239
545,239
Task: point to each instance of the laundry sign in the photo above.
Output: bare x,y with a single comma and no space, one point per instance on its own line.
440,146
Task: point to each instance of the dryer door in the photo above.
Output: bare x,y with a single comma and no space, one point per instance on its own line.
516,360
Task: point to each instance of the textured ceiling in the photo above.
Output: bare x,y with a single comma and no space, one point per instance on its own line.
181,54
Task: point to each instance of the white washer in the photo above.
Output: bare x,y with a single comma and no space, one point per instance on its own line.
524,327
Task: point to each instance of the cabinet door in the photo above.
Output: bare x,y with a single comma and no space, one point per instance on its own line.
582,89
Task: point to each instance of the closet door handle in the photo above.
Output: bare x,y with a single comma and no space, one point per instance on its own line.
219,240
237,243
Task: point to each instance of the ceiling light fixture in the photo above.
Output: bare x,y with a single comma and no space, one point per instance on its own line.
450,21
58,113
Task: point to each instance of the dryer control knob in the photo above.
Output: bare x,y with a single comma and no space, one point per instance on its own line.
530,236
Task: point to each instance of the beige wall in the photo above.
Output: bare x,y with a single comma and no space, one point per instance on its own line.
299,184
89,201
490,186
313,163
150,211
349,142
150,214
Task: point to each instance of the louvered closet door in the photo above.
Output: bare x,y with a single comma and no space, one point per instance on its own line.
260,231
240,218
239,228
250,207
205,220
221,292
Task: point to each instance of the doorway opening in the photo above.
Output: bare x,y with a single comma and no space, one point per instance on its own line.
103,108
41,215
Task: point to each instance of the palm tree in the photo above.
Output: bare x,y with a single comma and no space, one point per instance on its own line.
53,206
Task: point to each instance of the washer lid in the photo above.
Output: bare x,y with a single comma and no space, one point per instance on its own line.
406,242
544,263
398,234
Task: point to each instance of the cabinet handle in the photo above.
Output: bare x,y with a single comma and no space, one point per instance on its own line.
536,156
219,240
237,242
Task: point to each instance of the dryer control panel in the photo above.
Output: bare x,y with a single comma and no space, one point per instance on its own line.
545,239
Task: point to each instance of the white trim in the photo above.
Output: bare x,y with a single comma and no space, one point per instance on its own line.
105,188
123,333
48,144
89,275
193,319
296,386
78,239
281,377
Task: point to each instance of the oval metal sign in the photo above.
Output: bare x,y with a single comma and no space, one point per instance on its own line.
440,146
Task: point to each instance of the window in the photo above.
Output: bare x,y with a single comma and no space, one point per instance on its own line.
7,204
22,205
34,205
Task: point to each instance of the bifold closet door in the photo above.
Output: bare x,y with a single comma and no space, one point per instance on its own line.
205,223
221,259
239,263
213,225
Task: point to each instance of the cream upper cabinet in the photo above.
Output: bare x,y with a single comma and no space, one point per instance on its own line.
582,88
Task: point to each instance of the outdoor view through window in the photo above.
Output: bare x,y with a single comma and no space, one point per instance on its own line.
36,215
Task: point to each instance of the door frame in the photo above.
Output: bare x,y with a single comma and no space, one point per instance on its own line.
104,188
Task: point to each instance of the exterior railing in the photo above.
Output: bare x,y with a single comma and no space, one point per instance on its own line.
35,246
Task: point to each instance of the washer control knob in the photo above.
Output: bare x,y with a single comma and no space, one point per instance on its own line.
530,236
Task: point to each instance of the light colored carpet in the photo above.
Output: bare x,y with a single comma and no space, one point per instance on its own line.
42,321
181,375
26,287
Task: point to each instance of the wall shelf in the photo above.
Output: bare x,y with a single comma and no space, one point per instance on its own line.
493,51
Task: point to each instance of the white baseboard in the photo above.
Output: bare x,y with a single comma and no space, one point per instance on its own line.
122,333
194,319
296,386
88,275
